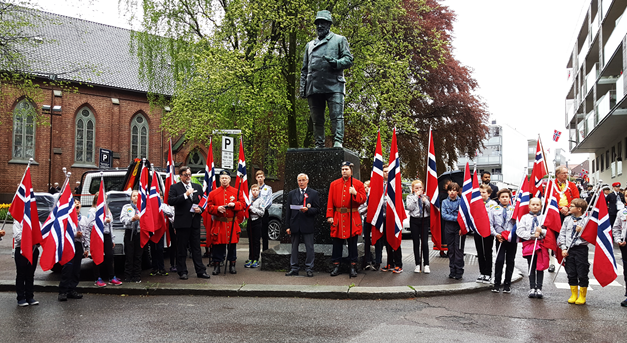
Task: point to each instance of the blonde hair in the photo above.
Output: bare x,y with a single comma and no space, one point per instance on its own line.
254,186
415,182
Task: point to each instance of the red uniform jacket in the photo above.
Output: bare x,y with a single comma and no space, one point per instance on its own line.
339,207
223,222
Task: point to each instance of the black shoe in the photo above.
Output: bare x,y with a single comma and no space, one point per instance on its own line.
336,270
216,268
451,276
309,273
183,276
292,273
459,277
376,267
62,297
353,271
507,290
623,303
203,276
552,268
232,267
74,295
495,289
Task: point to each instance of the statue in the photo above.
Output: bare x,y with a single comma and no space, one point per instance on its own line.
322,79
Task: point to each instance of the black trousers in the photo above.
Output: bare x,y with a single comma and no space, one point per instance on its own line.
172,248
71,272
133,256
338,246
218,252
254,238
308,239
623,253
577,266
484,253
506,255
455,244
536,277
419,228
25,274
378,247
156,252
184,237
107,263
367,242
264,230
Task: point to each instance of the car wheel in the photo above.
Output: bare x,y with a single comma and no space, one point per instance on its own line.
274,229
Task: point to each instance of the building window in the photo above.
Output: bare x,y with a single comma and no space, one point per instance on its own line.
601,163
619,151
85,136
24,122
139,137
592,171
195,161
607,159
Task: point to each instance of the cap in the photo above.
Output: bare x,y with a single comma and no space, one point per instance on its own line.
347,164
225,172
616,184
324,15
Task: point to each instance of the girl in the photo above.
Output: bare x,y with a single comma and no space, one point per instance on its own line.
108,236
452,232
533,236
254,228
132,247
418,206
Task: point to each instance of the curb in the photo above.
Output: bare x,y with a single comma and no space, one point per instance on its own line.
272,291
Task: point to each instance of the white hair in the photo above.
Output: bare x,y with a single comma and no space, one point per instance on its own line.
302,174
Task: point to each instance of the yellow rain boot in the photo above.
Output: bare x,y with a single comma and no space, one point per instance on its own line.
574,290
582,296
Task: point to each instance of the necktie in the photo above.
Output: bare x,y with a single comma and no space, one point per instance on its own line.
535,223
504,215
302,194
420,206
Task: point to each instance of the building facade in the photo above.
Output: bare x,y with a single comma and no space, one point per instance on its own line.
596,106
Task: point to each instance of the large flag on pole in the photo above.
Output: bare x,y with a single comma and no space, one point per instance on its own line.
58,231
477,209
464,217
521,208
23,209
154,202
208,185
241,182
376,198
434,195
96,239
146,216
539,170
598,230
552,219
169,181
395,212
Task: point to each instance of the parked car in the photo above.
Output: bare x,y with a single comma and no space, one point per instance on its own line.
275,216
45,203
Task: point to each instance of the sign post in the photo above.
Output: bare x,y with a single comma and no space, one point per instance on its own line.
106,158
227,152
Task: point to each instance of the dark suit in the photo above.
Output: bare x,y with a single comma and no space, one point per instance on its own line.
611,205
303,224
187,226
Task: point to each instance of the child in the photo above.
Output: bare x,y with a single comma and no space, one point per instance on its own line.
132,245
254,228
25,270
70,274
575,251
108,237
452,232
484,245
156,248
418,206
533,236
367,228
619,231
501,219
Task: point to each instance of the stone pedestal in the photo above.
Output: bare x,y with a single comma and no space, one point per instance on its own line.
278,257
323,166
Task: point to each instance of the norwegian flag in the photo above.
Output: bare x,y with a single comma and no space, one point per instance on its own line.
155,203
477,209
241,182
96,239
464,218
58,231
552,219
23,209
598,230
146,216
521,208
376,198
539,170
556,135
169,181
208,185
395,212
434,194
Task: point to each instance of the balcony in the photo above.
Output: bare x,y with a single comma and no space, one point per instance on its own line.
616,38
584,52
596,23
605,105
590,123
570,110
591,78
620,87
569,78
481,160
605,7
496,177
495,140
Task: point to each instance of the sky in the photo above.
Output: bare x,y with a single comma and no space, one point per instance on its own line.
518,51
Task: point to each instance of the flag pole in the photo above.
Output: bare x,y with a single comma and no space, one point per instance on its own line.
350,216
4,222
233,223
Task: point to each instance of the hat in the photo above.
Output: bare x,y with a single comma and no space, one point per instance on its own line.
347,164
616,184
324,15
605,186
225,172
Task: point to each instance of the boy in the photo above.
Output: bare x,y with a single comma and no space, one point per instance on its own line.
501,219
484,245
254,228
575,251
70,274
25,271
619,230
452,232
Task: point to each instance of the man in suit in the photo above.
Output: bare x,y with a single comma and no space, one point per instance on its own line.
304,207
615,202
185,196
322,79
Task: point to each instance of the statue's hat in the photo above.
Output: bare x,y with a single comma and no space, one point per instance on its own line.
324,15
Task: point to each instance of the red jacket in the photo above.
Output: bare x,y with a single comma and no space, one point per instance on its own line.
571,193
339,207
223,222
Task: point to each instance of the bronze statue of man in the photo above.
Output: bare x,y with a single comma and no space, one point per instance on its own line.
322,79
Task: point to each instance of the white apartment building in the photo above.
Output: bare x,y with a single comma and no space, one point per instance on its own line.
596,106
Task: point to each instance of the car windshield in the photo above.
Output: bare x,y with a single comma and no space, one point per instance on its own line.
116,201
45,203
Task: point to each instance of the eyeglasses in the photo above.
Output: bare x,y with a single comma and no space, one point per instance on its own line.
186,174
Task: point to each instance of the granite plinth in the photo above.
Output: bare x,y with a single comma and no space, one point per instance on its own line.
278,257
323,166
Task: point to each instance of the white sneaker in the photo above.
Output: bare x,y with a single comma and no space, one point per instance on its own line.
487,279
480,279
417,269
426,270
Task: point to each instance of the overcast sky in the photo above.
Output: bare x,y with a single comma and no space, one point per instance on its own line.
517,49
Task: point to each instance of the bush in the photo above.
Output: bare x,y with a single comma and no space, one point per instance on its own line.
4,213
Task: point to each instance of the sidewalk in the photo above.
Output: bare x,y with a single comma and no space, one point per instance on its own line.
250,282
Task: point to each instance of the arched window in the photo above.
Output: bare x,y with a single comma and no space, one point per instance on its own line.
139,137
24,122
85,136
195,161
